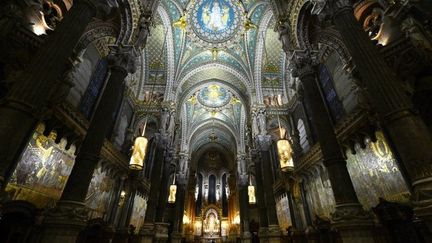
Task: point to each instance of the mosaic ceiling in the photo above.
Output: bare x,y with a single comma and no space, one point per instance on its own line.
217,45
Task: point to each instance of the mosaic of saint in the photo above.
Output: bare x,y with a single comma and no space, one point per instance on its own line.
215,21
42,171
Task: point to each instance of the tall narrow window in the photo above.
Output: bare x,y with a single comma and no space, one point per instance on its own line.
88,102
199,197
212,189
329,92
224,196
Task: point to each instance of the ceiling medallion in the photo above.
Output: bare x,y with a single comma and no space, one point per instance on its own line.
214,96
215,23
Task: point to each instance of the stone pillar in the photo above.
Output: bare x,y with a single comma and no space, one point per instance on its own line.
259,190
32,93
273,234
242,186
147,231
181,182
71,211
408,133
349,218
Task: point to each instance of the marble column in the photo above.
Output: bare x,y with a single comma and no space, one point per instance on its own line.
349,218
273,234
33,92
406,130
65,221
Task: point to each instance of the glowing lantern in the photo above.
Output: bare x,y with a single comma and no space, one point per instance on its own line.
285,155
139,151
251,194
172,192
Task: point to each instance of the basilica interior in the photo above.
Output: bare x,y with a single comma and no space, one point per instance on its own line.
216,121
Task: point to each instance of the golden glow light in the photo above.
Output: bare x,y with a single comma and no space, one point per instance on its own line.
172,194
186,219
251,194
138,154
285,155
236,219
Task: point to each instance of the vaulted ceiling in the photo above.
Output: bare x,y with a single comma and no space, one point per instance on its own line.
202,50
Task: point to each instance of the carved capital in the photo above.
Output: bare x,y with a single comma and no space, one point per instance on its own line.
123,57
303,62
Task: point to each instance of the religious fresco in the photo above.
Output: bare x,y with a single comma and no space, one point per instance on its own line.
138,212
42,172
319,195
283,213
374,173
99,193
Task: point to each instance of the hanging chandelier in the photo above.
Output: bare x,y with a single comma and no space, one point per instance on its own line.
284,151
139,151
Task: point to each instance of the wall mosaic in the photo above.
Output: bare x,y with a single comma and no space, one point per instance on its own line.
138,212
319,194
283,213
375,173
42,172
100,191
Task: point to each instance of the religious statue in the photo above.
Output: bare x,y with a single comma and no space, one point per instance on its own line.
144,30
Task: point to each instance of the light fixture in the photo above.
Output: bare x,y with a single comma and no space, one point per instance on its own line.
251,193
284,151
139,151
172,192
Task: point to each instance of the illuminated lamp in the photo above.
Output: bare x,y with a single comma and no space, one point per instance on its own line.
172,192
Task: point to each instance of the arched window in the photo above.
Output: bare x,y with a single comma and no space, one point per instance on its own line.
212,189
199,197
